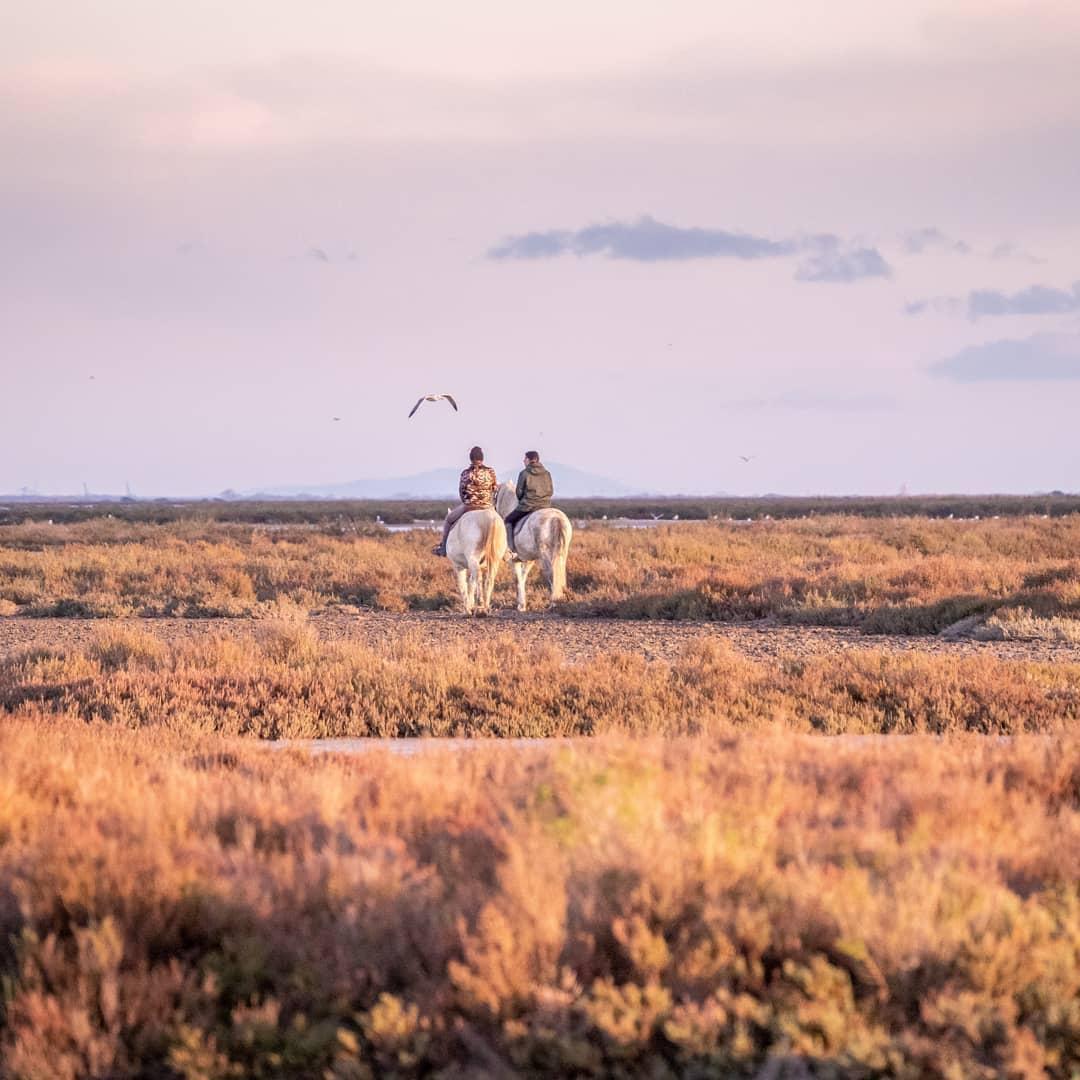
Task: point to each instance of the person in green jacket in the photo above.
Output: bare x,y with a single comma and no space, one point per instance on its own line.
534,491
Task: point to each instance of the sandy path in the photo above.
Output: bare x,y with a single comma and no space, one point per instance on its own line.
579,639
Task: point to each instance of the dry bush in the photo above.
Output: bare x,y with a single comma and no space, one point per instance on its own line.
911,575
184,906
1019,624
288,684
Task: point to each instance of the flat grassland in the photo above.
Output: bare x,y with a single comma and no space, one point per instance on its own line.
741,897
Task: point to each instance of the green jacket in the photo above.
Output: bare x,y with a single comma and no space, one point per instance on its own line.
534,487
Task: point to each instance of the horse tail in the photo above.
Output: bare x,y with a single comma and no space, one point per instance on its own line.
558,563
492,553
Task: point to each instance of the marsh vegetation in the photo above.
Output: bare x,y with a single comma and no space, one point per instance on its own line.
704,886
286,683
903,576
186,906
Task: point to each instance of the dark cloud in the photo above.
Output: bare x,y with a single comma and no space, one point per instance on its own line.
646,240
844,267
930,238
534,245
986,303
649,240
939,305
1041,358
1035,300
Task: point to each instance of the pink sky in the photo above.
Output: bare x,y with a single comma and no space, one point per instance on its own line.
244,225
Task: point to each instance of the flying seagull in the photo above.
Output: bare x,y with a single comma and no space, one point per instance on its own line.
434,397
336,418
746,460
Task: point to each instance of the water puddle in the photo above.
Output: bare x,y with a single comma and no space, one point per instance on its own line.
411,747
408,747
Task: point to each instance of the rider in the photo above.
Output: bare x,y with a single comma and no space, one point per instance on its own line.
534,491
477,491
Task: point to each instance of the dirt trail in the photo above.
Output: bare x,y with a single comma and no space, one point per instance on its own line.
579,639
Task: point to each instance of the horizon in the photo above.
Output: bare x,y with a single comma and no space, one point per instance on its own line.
842,243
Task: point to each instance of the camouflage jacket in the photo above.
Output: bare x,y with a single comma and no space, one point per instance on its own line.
477,486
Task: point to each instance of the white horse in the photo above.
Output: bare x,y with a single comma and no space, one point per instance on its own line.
544,537
476,547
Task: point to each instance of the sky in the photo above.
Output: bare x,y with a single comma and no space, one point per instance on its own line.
647,239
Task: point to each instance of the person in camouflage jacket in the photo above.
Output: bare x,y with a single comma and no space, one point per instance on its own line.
476,489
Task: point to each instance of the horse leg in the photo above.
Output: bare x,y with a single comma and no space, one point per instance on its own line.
463,588
521,572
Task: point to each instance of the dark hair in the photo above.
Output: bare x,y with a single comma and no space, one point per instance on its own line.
532,455
476,454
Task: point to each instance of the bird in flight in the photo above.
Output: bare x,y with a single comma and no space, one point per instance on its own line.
336,418
745,459
434,397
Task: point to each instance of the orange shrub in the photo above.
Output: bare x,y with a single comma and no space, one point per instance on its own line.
179,905
910,575
288,684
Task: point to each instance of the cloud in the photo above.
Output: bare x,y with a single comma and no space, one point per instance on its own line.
844,266
1034,300
534,245
649,240
987,303
1041,358
645,240
939,305
1008,250
931,238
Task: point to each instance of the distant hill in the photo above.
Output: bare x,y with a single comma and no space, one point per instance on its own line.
570,483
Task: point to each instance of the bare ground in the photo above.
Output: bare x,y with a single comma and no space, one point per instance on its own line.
579,639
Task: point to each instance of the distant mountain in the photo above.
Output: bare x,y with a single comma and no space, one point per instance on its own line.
570,483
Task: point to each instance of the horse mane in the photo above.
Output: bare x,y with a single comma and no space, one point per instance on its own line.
506,491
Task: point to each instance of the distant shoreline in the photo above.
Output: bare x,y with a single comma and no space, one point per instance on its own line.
284,510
